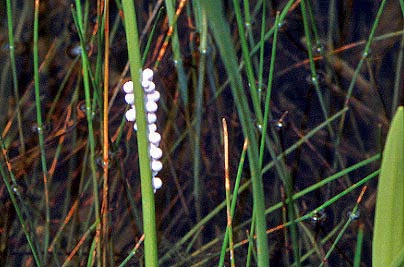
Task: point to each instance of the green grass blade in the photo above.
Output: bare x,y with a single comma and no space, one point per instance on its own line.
388,237
40,133
221,33
148,207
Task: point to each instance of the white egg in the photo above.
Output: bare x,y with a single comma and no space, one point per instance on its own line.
157,183
154,96
151,119
131,114
155,152
156,165
154,138
151,106
149,88
147,74
128,87
130,99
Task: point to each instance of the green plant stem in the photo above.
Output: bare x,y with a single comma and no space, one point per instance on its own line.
314,76
77,16
148,207
40,132
221,32
247,61
359,67
233,201
269,166
359,244
14,73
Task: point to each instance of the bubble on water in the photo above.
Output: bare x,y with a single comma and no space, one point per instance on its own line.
259,127
281,24
354,215
318,48
319,217
279,124
15,189
314,80
73,50
365,54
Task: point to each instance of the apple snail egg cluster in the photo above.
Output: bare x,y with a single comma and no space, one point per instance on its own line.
151,97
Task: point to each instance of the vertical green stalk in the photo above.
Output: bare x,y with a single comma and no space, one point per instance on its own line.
202,26
149,220
233,201
14,73
314,76
359,244
77,16
359,67
40,131
248,64
261,44
182,77
221,32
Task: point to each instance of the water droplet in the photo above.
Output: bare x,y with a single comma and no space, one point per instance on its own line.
314,80
73,50
319,217
365,54
354,215
99,159
259,127
281,24
40,130
16,189
318,48
279,124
